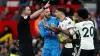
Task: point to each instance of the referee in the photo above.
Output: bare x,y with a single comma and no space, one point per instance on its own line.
23,28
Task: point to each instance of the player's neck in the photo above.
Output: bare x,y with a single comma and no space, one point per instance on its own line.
75,17
62,17
47,18
84,20
23,15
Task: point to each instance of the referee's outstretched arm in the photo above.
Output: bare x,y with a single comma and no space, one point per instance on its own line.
37,13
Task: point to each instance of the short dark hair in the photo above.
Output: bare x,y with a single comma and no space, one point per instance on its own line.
62,10
22,8
82,12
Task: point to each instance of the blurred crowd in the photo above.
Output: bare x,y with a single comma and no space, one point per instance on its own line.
9,47
7,15
52,2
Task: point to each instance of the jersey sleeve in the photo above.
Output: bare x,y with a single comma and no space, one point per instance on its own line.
76,29
56,22
43,32
70,23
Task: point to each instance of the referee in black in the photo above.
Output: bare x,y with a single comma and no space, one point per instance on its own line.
23,28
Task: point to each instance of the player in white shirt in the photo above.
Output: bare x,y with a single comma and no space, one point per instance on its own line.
85,29
65,23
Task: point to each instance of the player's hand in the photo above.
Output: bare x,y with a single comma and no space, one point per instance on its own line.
69,40
59,29
46,25
52,25
47,5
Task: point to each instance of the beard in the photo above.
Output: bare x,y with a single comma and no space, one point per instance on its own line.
47,16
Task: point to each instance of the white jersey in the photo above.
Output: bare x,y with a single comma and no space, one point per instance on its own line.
66,24
85,30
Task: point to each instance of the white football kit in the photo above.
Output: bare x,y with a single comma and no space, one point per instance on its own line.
66,24
85,30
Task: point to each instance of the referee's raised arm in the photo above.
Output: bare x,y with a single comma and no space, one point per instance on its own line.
37,13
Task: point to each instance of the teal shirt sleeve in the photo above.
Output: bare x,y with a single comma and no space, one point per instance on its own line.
56,22
42,30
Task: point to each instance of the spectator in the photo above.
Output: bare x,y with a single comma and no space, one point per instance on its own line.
68,12
6,35
37,7
12,46
39,53
76,2
87,0
53,9
98,23
93,18
68,2
7,14
14,52
36,2
54,2
74,17
2,16
62,1
6,45
37,44
16,15
44,1
1,50
3,2
4,51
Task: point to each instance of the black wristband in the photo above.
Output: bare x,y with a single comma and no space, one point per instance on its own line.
45,8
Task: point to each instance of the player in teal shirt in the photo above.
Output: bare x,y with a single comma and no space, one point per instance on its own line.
51,42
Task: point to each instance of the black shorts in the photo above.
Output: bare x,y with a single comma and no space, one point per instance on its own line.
82,52
67,52
26,49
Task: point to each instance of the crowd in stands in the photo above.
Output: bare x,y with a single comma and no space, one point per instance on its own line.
8,47
52,2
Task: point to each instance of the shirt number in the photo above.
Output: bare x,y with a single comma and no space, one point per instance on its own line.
87,31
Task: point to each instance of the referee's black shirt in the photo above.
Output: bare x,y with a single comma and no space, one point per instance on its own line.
23,28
